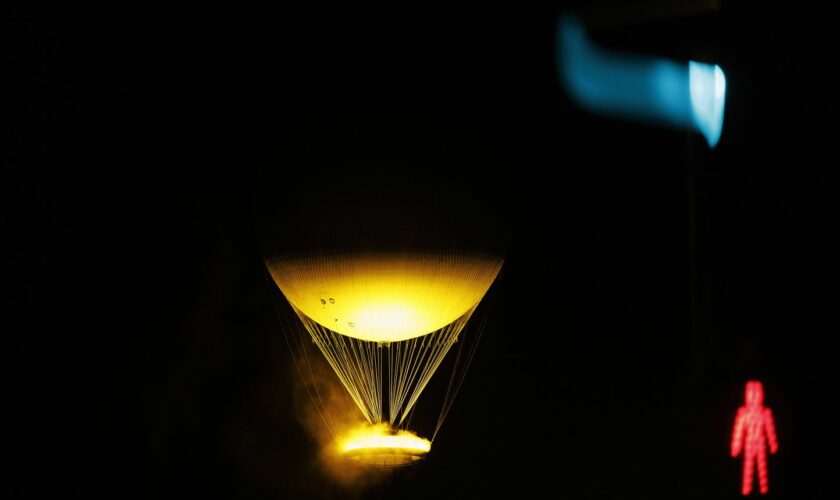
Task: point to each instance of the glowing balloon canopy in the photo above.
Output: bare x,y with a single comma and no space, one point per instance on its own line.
384,322
385,298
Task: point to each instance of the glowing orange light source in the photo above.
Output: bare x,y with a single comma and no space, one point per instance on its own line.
752,424
382,445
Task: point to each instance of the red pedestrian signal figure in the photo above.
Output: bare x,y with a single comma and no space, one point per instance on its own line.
753,423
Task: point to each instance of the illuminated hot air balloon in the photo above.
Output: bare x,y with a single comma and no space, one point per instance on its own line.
384,265
384,322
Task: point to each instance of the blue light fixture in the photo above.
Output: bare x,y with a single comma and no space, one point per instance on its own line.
655,90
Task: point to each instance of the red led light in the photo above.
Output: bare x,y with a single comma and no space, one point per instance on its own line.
753,431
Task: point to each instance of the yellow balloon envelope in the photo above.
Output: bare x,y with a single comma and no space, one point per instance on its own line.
385,298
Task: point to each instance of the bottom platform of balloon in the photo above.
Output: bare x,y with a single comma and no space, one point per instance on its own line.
381,445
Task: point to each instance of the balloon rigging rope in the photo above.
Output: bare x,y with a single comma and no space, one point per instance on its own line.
358,365
448,401
300,351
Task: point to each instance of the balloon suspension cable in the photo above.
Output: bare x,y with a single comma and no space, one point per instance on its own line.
449,398
359,366
298,351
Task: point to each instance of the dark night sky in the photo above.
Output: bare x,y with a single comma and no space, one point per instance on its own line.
144,154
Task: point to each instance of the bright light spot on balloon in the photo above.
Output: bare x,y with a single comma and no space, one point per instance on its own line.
387,316
382,445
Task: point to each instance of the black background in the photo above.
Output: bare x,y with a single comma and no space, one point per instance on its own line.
647,277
